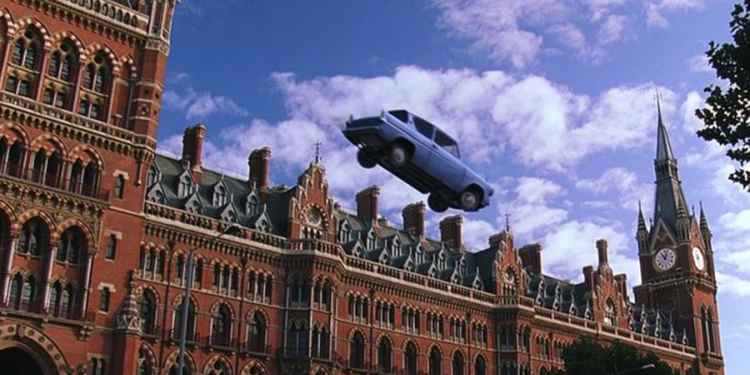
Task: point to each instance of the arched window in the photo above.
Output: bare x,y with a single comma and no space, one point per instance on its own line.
480,366
145,364
15,292
385,353
410,359
357,351
186,186
256,336
119,186
436,361
34,237
28,294
221,326
252,205
76,176
54,169
61,72
153,175
97,78
610,314
458,363
54,298
66,302
90,180
147,310
72,246
15,159
25,63
177,330
220,195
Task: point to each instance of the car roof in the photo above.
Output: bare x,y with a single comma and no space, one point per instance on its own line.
433,125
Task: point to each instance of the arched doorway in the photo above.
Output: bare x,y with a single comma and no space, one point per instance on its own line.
18,361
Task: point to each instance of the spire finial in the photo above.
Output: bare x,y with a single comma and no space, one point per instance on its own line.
507,222
317,152
663,146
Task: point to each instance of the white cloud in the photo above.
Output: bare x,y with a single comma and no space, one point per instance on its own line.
655,9
624,182
544,124
733,285
477,232
198,105
692,102
735,222
699,63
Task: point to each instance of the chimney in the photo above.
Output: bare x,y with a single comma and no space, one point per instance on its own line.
258,162
601,247
531,257
451,231
622,283
413,216
367,204
192,146
588,277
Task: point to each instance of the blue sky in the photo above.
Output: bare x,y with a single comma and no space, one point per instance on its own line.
552,100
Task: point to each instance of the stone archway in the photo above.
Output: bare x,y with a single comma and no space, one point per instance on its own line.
31,351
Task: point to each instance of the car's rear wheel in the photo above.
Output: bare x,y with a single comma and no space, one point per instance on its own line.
398,155
470,199
437,203
366,158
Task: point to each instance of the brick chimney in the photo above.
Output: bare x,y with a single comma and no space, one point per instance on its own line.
588,277
601,247
451,230
192,146
413,216
259,162
367,204
531,257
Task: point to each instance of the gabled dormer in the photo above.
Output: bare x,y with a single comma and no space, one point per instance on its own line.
156,193
370,239
262,220
194,203
345,231
477,283
355,248
229,213
220,193
185,184
252,204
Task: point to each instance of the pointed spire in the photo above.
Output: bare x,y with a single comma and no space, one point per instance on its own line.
704,220
641,220
317,152
663,146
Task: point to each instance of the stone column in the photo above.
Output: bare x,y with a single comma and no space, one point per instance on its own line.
86,284
7,268
49,266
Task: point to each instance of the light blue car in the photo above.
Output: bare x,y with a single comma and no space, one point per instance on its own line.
420,154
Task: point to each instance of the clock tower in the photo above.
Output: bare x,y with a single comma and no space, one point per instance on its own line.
676,258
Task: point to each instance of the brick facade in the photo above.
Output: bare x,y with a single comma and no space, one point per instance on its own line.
96,230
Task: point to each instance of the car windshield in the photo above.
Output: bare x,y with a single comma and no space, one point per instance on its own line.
446,142
401,115
424,127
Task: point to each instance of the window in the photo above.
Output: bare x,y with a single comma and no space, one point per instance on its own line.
256,337
221,326
610,315
220,196
458,363
147,310
424,127
104,298
111,247
480,366
98,366
446,142
358,308
33,239
357,351
385,352
119,186
177,328
153,175
410,359
410,319
436,361
402,115
72,246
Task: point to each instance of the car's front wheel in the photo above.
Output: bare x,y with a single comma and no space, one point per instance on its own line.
398,155
437,203
470,199
366,158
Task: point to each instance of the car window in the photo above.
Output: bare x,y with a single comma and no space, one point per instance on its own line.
424,127
401,115
446,142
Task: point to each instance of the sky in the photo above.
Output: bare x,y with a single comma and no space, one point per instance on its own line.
554,101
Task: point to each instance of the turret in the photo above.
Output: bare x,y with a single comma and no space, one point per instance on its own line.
642,233
705,230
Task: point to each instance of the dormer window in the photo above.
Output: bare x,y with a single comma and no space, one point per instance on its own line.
345,232
186,186
371,240
262,226
396,247
194,207
220,195
252,205
153,175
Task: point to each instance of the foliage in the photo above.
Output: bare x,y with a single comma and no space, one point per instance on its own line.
586,357
726,115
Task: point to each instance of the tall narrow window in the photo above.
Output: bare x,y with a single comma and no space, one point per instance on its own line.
385,354
436,360
119,186
96,81
410,359
25,61
147,310
111,246
221,326
15,292
257,333
480,366
104,297
66,302
357,351
54,298
458,363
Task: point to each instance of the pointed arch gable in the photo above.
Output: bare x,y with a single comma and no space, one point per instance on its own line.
218,304
9,212
14,132
60,37
70,223
24,23
86,154
49,140
35,213
254,365
172,361
95,49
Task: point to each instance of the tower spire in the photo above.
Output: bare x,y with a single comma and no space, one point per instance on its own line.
663,146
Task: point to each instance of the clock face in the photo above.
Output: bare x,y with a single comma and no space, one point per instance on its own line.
314,217
665,259
698,259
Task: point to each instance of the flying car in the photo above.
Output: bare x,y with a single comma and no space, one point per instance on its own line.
420,154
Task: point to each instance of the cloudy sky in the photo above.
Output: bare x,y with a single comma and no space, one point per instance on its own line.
552,100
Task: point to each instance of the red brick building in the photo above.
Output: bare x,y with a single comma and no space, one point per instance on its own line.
95,228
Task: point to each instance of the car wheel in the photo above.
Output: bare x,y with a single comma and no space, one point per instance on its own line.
398,155
366,158
470,200
437,203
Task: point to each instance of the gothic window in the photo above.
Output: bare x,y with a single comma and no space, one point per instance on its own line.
345,232
104,298
119,186
177,328
90,180
410,359
220,195
98,366
458,363
14,165
297,344
61,71
186,186
610,315
252,205
385,354
54,298
147,310
25,61
72,246
221,326
256,337
198,273
111,247
480,366
325,342
435,361
357,351
371,240
34,236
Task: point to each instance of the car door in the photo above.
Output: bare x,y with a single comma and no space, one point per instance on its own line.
423,134
445,162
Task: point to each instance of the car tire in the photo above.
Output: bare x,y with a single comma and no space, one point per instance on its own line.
470,199
437,203
366,158
398,155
